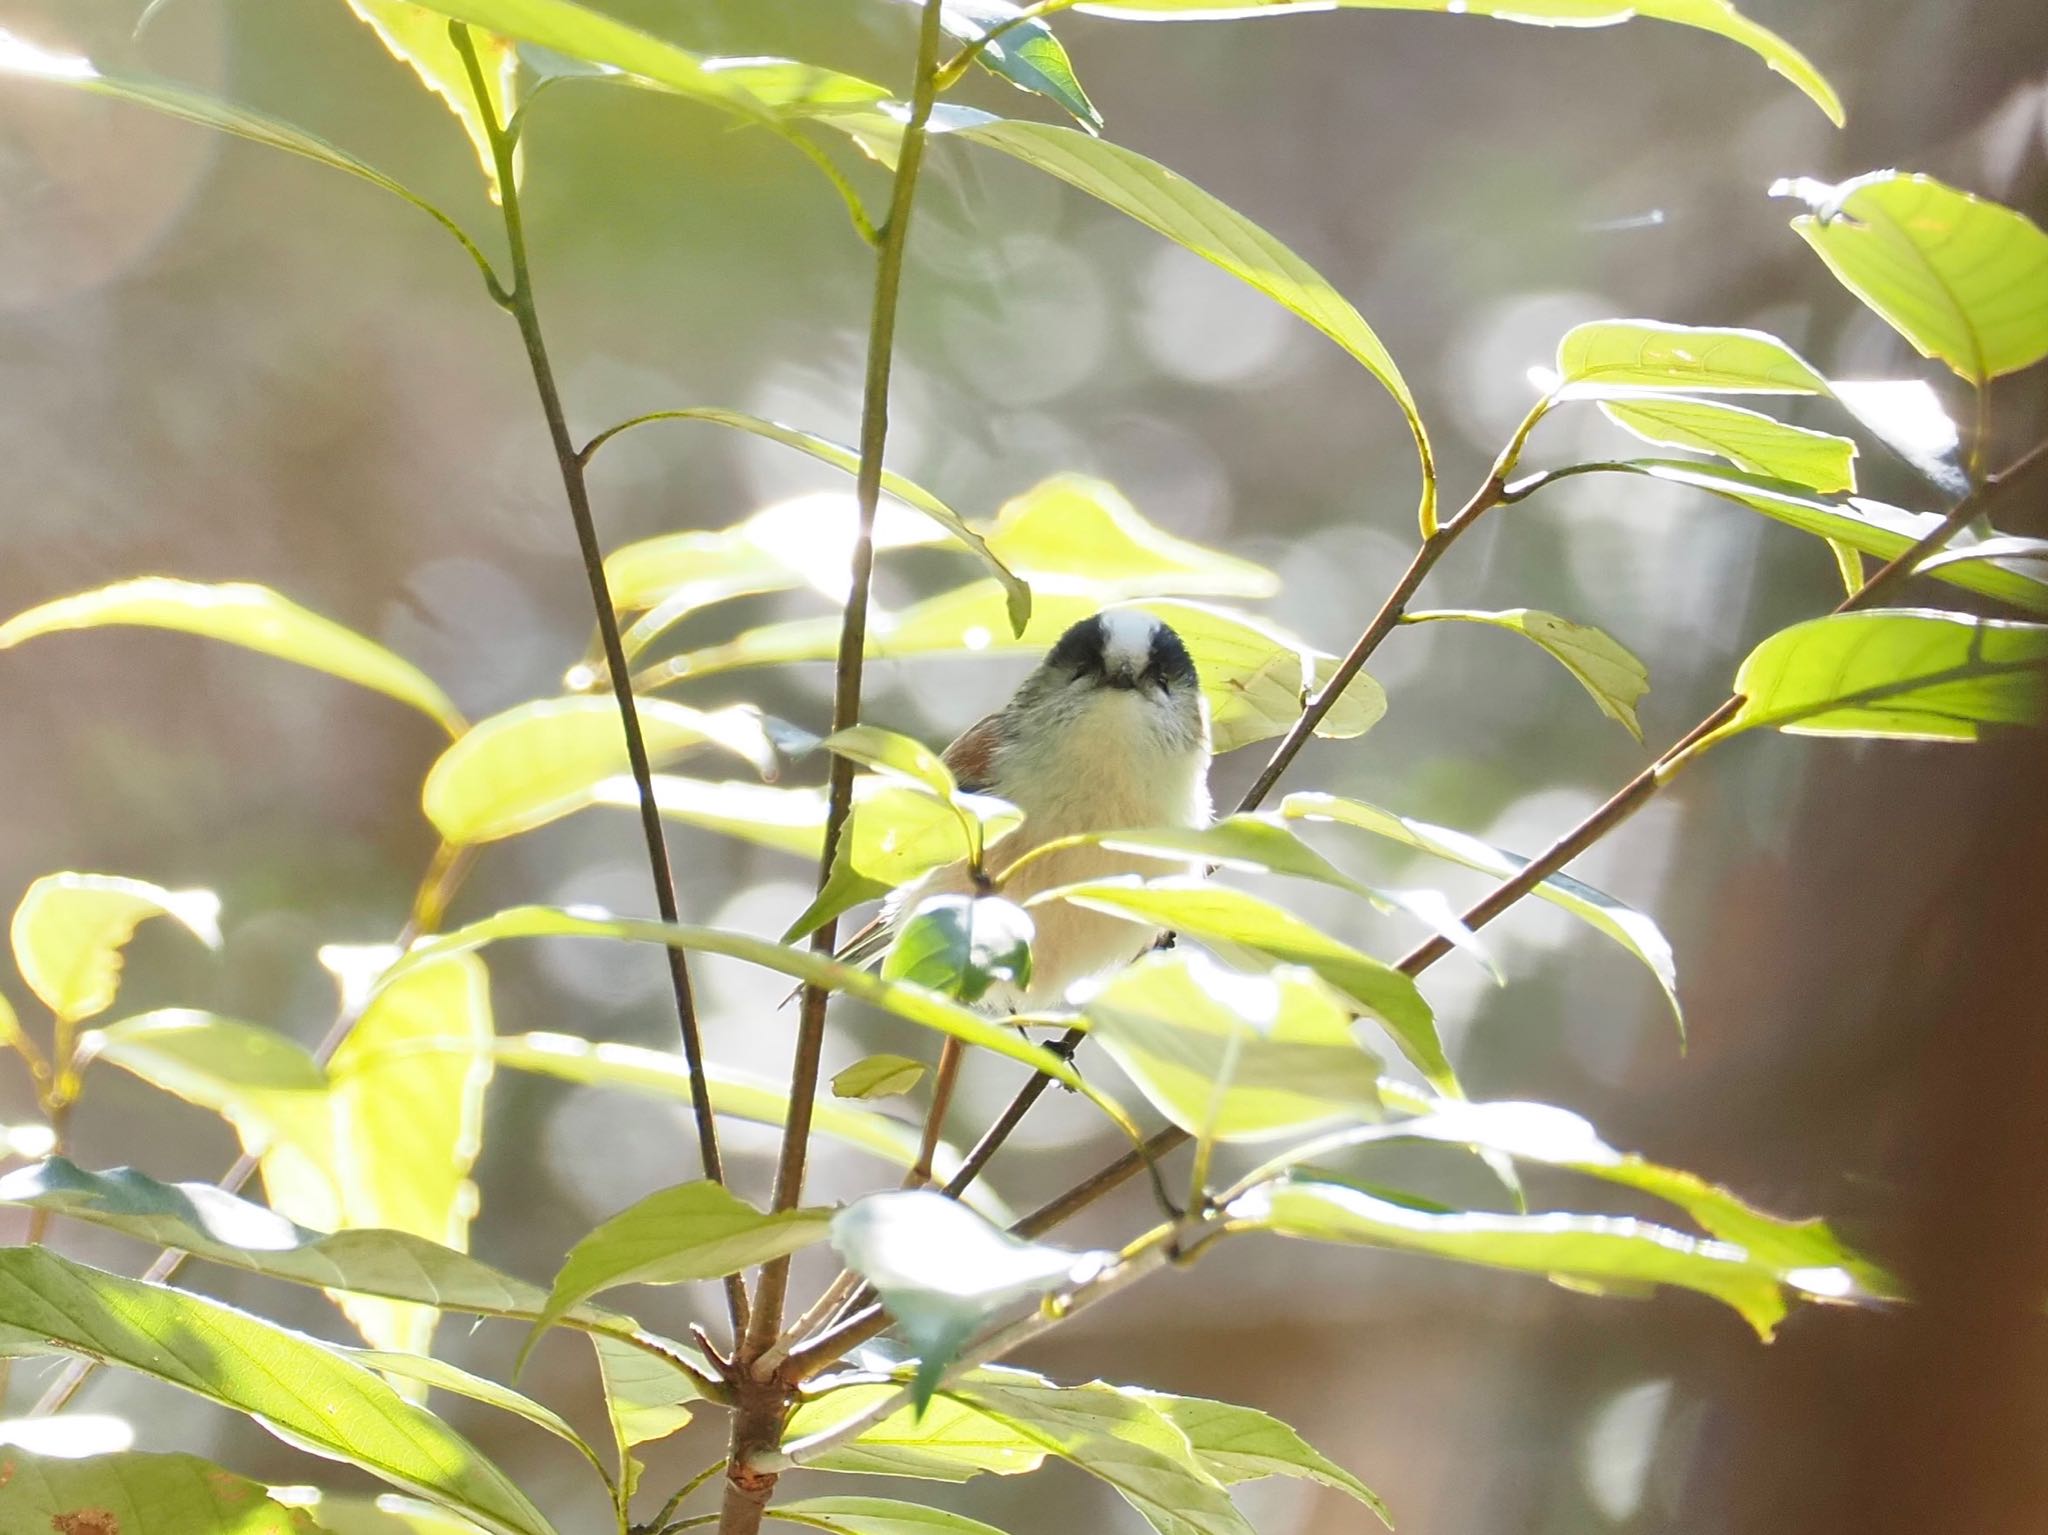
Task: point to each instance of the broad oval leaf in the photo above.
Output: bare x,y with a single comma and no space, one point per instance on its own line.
1025,53
878,1076
1748,439
1589,1250
539,761
1716,16
942,1271
1626,926
1241,921
1234,1057
698,1230
134,1493
895,834
962,946
290,1384
1903,673
948,1441
1241,1444
1079,536
1189,216
1605,668
69,930
1602,355
878,1516
1963,279
887,752
241,613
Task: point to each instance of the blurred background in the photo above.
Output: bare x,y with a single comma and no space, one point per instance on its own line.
221,363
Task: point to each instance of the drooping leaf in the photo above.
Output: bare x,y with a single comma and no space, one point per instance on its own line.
887,752
1605,668
878,1076
1964,279
1872,527
1190,217
23,60
948,1441
1233,1057
1904,673
1593,1251
749,556
69,930
539,761
877,1516
1235,918
664,1075
1078,536
419,39
961,945
1748,439
1025,53
1597,909
241,613
291,1385
1256,676
1604,355
133,1493
1117,1437
1241,1444
942,1271
1717,16
425,1370
644,1399
694,1230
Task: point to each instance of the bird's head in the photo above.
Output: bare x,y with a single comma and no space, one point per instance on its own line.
1127,661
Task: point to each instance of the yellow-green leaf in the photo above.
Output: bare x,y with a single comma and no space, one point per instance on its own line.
1603,355
1241,1444
69,930
949,1441
254,617
1605,668
1748,439
133,1493
878,1076
419,39
1078,536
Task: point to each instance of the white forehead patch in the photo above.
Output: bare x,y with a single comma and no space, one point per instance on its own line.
1127,639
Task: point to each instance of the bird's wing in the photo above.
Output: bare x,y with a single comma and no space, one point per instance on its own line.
973,752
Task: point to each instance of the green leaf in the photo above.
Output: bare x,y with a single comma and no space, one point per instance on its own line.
291,1385
1750,440
209,1223
895,834
1241,1444
1871,527
785,819
1256,676
877,1516
389,1514
1606,669
1965,280
1902,673
69,930
1190,217
1716,16
760,88
408,1126
878,1076
539,761
888,752
1591,1251
1026,53
1117,1437
419,39
22,60
961,945
425,1370
942,1271
131,1493
254,617
1232,1057
644,1399
1218,914
1603,355
691,1231
1080,537
1626,926
665,1075
750,549
948,1441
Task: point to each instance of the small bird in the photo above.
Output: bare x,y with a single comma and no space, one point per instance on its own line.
1110,733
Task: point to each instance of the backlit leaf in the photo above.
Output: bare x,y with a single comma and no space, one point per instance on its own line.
1964,279
878,1516
886,751
419,39
1748,439
878,1076
131,1493
69,930
425,1370
644,1399
1700,359
961,946
948,1441
1079,536
1606,669
1025,53
304,1393
1904,673
1241,1444
895,834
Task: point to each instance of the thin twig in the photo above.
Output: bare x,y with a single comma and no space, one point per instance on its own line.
769,1294
518,301
943,1081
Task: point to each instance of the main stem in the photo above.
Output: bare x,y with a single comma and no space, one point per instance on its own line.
757,1423
518,301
